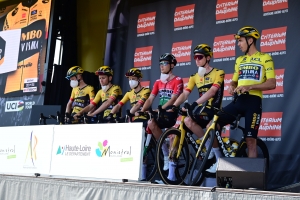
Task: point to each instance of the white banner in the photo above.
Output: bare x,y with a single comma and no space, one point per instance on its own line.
105,151
25,149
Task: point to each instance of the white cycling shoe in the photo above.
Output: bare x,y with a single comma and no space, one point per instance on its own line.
213,168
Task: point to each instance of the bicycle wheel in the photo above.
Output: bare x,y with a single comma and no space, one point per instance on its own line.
200,163
262,151
150,160
183,161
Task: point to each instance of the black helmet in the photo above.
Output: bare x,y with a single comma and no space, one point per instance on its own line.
168,57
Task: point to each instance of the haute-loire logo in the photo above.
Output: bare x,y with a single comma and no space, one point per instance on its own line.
224,46
271,5
182,51
273,39
226,9
146,22
184,15
142,56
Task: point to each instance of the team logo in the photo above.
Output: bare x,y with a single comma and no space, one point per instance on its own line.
182,52
226,11
184,17
274,40
146,23
143,56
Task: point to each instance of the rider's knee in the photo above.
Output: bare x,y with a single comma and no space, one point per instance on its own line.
151,124
188,122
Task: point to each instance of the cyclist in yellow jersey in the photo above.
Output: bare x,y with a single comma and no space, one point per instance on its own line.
109,95
82,94
254,73
137,95
210,84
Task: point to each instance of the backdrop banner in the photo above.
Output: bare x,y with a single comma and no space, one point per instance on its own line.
178,26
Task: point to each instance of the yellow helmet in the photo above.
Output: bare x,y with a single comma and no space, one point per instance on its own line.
105,70
73,71
134,72
247,31
204,49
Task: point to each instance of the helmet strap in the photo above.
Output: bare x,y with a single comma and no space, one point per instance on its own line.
205,62
248,45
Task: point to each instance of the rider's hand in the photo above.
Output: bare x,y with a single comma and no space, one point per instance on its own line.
90,114
76,116
231,89
194,105
110,116
242,89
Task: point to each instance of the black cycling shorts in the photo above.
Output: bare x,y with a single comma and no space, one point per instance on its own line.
248,106
167,120
203,118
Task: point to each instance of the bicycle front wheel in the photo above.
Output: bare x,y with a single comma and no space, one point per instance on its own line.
150,160
182,162
201,163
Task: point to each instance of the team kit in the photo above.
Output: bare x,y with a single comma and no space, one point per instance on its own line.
253,73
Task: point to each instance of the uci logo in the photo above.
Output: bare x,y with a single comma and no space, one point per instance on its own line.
14,106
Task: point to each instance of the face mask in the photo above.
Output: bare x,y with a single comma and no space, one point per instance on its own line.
133,84
104,87
164,77
73,83
201,71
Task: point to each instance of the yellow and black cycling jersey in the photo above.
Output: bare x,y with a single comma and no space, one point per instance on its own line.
81,97
252,70
114,93
214,78
136,97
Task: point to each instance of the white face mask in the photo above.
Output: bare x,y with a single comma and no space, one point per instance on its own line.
164,77
104,87
133,84
201,71
73,83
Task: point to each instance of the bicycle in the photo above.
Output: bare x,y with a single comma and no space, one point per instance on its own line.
180,149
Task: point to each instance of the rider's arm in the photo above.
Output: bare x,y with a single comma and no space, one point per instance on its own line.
148,103
70,102
117,107
145,93
270,84
182,98
85,110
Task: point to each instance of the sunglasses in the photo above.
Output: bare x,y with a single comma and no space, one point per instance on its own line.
164,63
129,74
199,57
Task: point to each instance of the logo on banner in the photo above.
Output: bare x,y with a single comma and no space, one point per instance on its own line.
224,48
145,84
184,17
274,7
142,57
226,11
273,41
31,152
103,148
227,81
14,106
74,150
182,52
9,151
146,24
270,126
278,91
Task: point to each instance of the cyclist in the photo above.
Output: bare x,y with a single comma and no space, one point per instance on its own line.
169,87
137,95
254,73
82,94
109,95
210,84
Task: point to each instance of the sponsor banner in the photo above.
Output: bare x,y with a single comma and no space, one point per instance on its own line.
184,17
9,50
146,24
145,84
270,126
182,52
278,91
224,48
113,153
26,149
142,57
226,11
227,81
273,41
275,7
